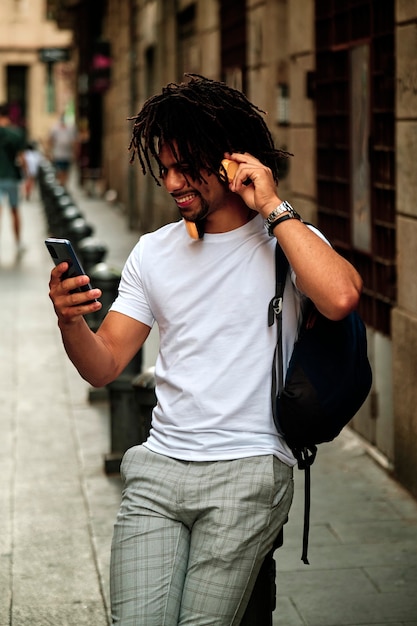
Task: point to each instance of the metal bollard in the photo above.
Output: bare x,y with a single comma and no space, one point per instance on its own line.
79,229
51,197
144,389
61,204
103,277
68,215
106,278
92,252
124,425
46,181
125,429
132,415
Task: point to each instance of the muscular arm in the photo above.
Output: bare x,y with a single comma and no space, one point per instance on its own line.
330,281
323,275
99,357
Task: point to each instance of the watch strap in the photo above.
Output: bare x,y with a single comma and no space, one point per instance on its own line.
282,218
282,212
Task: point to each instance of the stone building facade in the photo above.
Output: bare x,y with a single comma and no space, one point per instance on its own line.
36,72
404,314
338,83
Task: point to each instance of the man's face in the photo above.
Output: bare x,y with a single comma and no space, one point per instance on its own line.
195,200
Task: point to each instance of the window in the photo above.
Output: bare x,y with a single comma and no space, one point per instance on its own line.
233,43
355,91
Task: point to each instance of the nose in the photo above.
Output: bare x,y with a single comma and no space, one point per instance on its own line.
174,180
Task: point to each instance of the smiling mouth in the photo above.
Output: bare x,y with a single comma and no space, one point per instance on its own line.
184,201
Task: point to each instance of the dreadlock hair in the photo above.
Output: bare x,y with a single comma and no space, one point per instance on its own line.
200,120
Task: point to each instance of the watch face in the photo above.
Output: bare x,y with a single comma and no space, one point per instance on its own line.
284,207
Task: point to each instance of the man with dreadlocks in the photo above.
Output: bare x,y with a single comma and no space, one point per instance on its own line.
206,495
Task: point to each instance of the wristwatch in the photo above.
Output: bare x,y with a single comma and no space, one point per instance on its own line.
277,216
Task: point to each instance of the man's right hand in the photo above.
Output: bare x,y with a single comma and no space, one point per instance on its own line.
70,307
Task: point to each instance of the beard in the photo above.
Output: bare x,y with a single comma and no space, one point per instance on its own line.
199,215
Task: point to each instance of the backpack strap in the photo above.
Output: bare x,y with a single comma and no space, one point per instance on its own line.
275,313
305,459
304,456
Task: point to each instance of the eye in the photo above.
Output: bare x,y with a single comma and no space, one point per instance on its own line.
184,168
163,171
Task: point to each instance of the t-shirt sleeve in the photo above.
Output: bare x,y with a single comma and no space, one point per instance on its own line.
131,299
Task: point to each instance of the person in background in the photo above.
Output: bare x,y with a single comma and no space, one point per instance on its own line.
12,168
62,148
33,157
207,493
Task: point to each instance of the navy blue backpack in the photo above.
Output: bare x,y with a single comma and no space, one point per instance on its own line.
328,379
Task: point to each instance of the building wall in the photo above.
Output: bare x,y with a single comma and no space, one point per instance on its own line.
268,67
301,54
117,100
280,51
24,30
404,317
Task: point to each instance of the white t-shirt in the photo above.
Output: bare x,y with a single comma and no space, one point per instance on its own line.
210,300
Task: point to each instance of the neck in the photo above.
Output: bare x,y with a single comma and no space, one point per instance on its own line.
232,216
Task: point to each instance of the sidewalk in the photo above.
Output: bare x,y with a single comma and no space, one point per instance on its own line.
57,505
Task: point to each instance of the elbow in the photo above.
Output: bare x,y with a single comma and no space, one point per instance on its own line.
99,380
347,302
342,309
95,381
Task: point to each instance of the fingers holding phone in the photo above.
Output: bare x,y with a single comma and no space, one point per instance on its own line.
68,297
251,179
69,287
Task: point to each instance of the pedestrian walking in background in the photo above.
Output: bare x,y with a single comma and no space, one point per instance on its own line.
12,168
33,158
207,493
62,148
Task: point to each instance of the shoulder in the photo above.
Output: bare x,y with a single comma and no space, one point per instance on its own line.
14,136
155,244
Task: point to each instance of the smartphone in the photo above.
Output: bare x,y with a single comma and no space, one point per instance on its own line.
62,250
228,170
